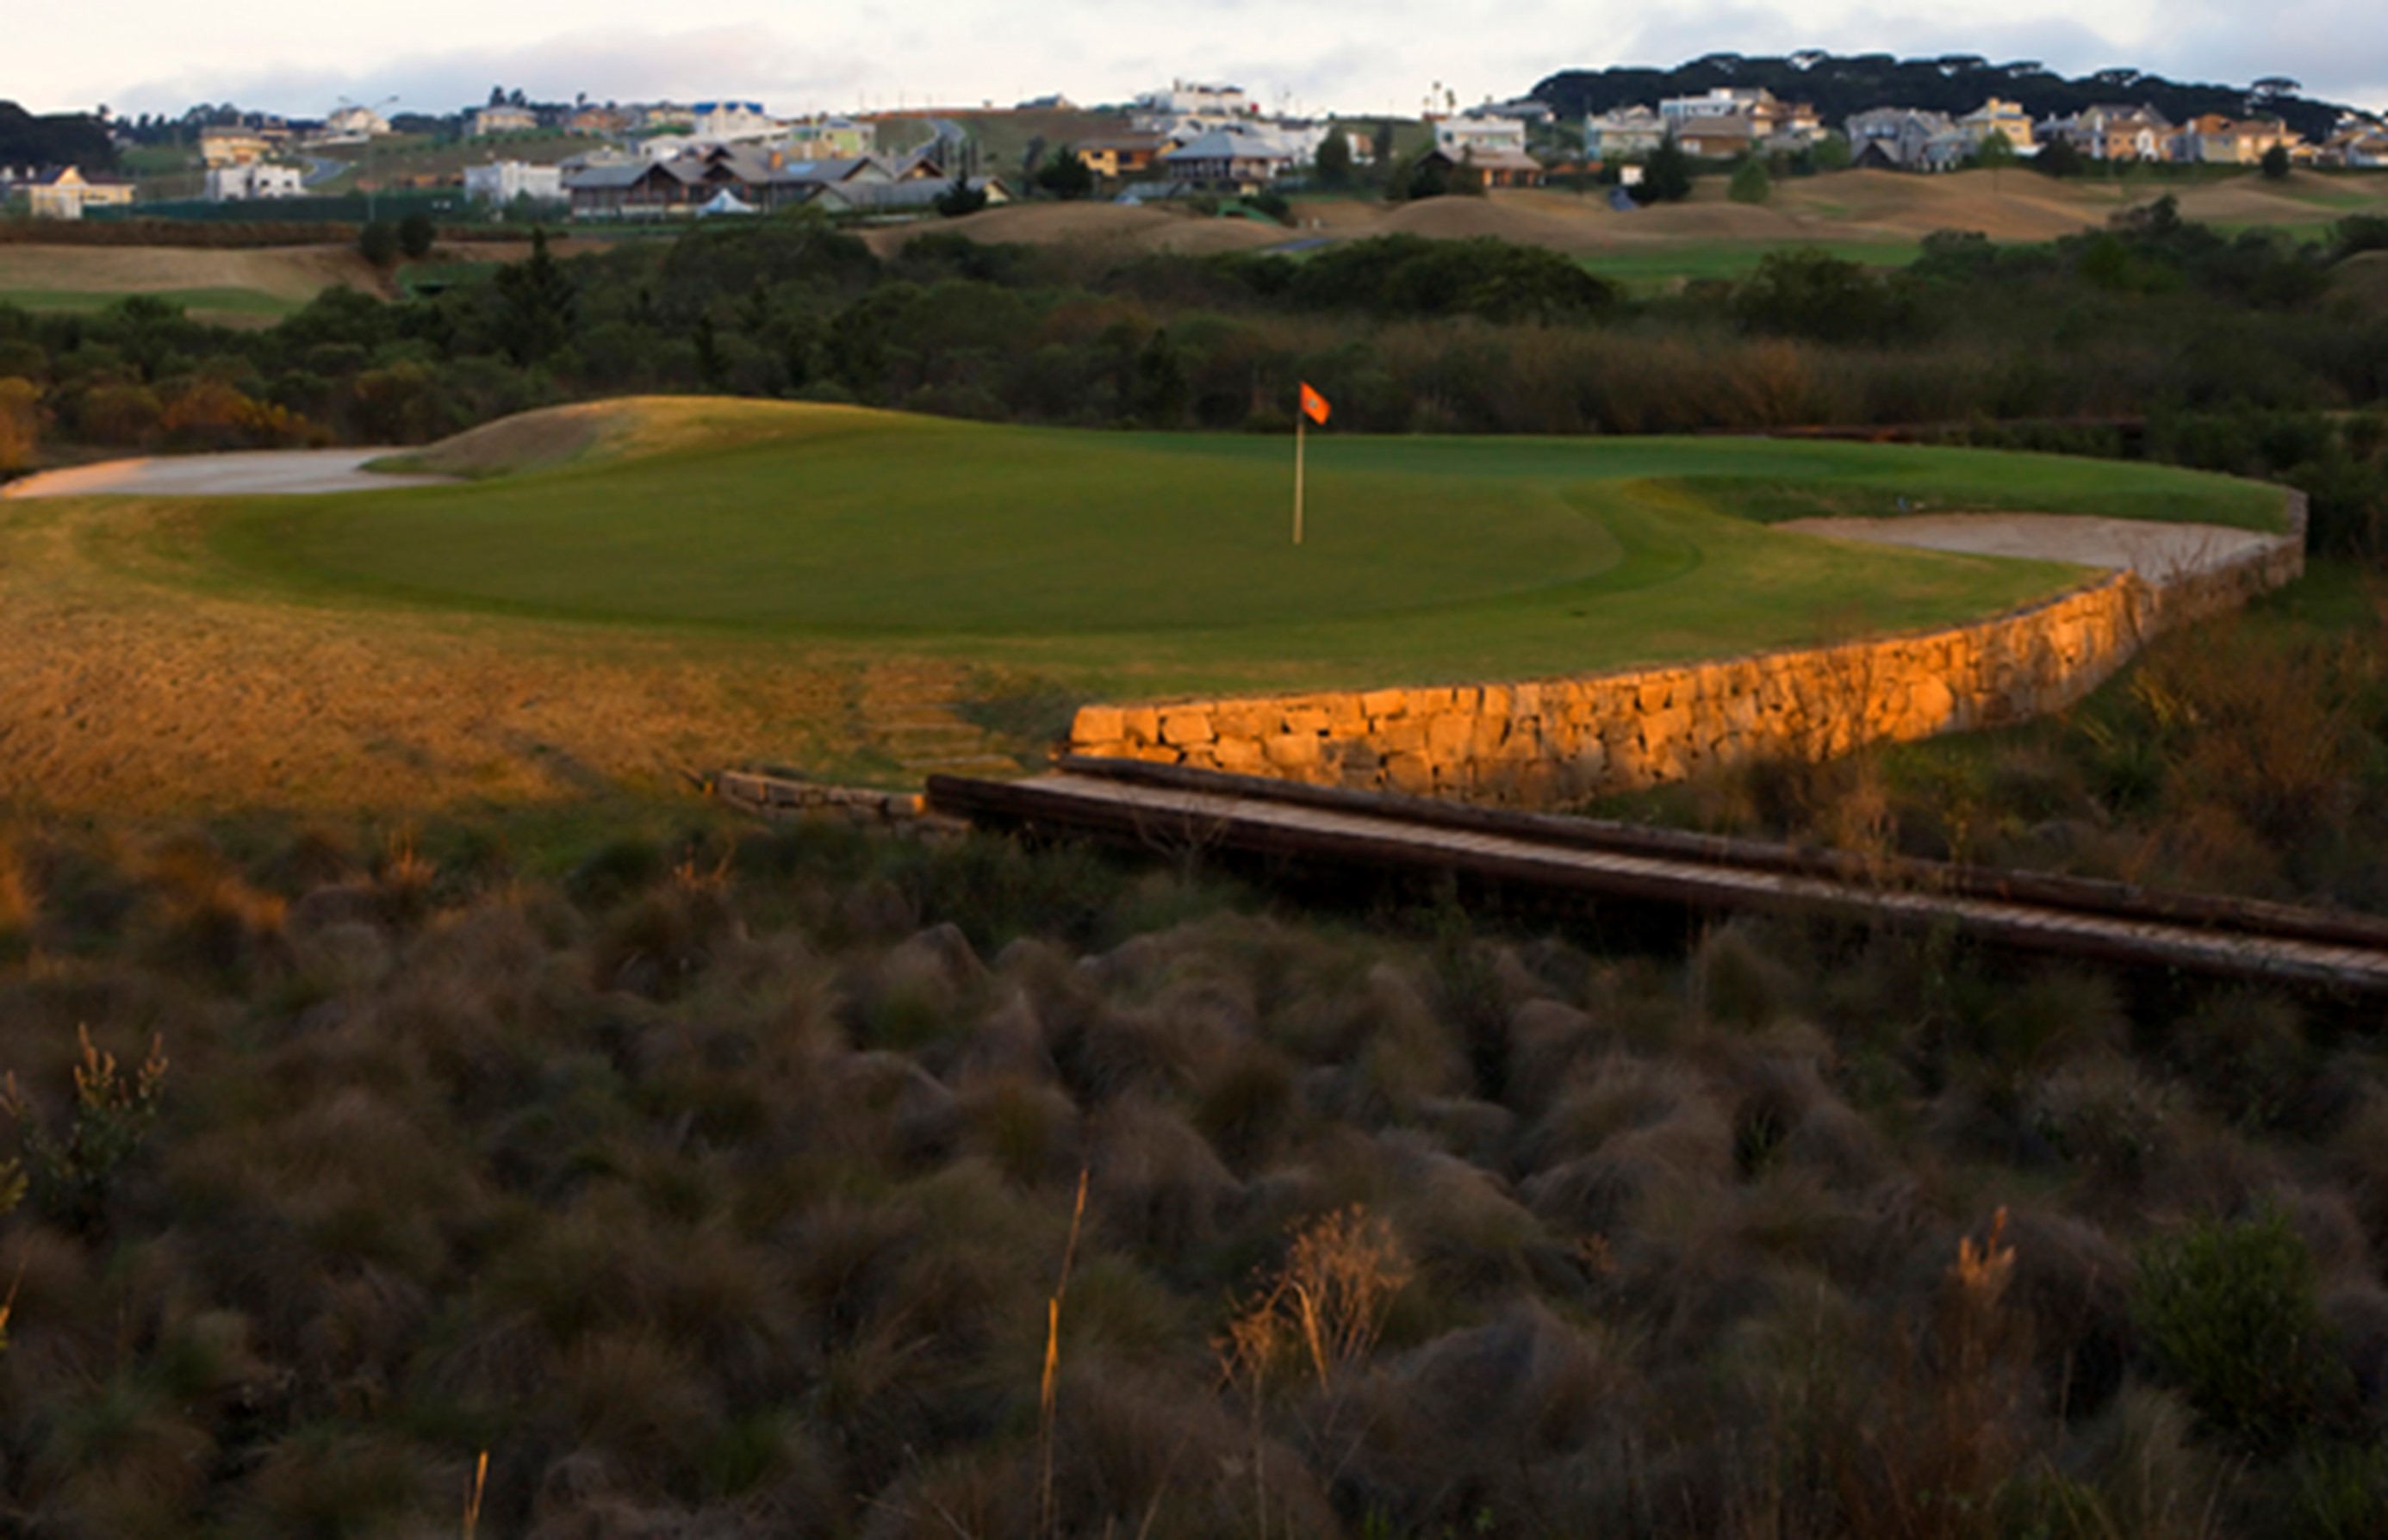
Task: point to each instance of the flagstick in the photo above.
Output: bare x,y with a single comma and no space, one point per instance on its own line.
1299,418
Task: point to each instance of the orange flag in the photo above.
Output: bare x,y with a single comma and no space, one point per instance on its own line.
1314,405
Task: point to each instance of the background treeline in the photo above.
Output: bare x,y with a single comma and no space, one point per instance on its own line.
2254,352
1947,82
53,139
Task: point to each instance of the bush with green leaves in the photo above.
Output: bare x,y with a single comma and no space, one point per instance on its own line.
2226,1310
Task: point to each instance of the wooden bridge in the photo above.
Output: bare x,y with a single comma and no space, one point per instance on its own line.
1169,808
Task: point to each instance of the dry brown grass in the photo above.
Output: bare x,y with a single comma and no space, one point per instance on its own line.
122,690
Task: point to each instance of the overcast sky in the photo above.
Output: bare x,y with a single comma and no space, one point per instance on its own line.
302,57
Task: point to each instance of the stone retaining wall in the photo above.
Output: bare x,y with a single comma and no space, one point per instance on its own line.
1549,741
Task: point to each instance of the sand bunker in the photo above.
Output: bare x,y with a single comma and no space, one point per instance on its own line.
266,472
2159,552
289,273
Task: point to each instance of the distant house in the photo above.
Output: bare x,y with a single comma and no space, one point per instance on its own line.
255,180
2213,139
1780,124
355,122
1482,135
681,185
232,146
501,119
2113,132
1489,168
599,120
730,122
1907,139
502,182
1115,156
2003,118
1717,138
1623,132
662,117
1225,161
63,193
2357,146
826,138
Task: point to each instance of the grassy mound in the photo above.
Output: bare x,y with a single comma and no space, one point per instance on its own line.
1109,555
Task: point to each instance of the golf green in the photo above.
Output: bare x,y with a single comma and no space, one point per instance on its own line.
1111,556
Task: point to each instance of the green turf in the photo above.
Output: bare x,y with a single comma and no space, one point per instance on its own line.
219,301
1163,560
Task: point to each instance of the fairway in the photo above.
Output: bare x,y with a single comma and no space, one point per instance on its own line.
1163,560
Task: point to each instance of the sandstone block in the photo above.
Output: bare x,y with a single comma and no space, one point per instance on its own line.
1244,718
1411,772
1187,727
1448,736
1098,725
1293,750
1141,724
1241,756
1379,704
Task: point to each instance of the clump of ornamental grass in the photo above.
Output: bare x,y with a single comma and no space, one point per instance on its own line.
1735,981
1159,1188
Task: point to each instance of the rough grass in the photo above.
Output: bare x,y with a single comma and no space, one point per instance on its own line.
763,1239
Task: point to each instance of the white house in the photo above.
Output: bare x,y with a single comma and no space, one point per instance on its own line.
354,122
1787,125
1189,110
1483,136
733,122
502,182
255,180
1623,131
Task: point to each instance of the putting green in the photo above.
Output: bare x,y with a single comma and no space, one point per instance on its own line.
1114,556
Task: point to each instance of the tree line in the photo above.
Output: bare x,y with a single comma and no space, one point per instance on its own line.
1840,86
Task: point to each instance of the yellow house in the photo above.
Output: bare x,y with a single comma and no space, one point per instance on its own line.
2000,117
1122,155
232,146
63,193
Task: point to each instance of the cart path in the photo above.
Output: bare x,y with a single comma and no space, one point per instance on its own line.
2158,552
255,472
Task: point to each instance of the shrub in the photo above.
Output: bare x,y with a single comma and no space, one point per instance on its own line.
73,1174
2227,1312
1750,184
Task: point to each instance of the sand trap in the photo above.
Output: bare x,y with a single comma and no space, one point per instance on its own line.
2158,552
296,273
270,473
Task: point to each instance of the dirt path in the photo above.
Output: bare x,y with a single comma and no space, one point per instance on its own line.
2159,552
271,473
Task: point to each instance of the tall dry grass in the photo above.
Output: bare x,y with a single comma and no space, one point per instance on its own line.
1401,1226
